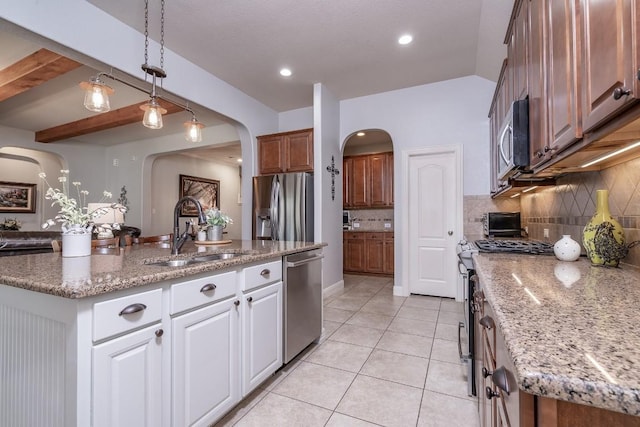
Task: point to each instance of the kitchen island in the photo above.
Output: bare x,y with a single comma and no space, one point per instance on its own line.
572,332
122,338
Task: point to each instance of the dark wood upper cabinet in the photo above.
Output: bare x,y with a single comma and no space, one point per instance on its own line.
609,38
368,181
286,152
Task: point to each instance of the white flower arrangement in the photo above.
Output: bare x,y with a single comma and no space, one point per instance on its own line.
10,224
74,213
216,217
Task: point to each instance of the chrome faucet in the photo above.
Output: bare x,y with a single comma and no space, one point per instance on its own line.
178,240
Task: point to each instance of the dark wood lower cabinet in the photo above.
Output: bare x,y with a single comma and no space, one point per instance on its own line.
368,252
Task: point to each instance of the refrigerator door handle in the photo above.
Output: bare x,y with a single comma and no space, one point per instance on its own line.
275,199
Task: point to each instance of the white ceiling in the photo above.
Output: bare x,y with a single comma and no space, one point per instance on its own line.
348,45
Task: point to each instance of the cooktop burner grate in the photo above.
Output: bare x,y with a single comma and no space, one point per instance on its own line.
515,246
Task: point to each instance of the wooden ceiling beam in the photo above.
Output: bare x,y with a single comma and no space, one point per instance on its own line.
120,117
32,71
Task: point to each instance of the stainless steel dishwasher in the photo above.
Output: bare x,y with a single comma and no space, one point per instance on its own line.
302,301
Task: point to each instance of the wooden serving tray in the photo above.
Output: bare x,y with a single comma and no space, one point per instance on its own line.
212,242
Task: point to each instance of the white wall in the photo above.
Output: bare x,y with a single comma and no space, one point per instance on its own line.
302,118
328,209
165,185
449,112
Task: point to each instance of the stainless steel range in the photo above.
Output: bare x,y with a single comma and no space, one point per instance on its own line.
465,251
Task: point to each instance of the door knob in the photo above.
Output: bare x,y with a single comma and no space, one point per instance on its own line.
450,232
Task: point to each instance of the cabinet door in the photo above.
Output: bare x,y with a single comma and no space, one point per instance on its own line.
609,52
519,51
388,254
127,380
355,257
389,180
375,252
561,81
206,364
270,154
360,181
298,150
347,177
538,130
378,176
261,335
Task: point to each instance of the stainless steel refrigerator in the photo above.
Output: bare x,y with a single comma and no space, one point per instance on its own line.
283,207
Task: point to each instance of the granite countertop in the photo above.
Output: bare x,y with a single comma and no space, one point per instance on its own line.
572,330
116,269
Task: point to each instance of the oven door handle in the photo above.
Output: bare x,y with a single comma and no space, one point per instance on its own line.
463,357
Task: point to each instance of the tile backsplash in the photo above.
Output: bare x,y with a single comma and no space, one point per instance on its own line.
372,219
567,207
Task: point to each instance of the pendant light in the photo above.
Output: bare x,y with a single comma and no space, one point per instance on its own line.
97,93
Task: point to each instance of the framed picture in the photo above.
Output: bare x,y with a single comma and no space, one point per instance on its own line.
206,191
17,197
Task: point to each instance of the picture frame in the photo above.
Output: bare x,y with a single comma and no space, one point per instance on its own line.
17,197
206,191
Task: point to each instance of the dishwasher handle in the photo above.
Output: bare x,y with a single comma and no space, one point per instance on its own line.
304,261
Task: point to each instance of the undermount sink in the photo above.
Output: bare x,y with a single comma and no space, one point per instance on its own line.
182,262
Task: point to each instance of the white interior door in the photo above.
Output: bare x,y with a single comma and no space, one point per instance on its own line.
433,194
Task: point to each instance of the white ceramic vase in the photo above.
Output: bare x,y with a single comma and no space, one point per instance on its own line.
566,249
76,241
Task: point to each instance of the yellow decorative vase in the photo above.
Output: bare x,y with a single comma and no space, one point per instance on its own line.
603,237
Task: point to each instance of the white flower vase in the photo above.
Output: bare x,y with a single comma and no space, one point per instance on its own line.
566,249
76,241
214,233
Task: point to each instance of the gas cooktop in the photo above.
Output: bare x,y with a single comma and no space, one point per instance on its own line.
532,247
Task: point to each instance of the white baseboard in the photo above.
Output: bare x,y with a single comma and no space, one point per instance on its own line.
332,289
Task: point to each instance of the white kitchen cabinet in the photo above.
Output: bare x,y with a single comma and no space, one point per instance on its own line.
127,379
261,335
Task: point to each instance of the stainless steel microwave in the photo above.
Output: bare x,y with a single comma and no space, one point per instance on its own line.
513,140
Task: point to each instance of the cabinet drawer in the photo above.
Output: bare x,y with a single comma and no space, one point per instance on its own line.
262,274
194,293
375,236
120,315
353,236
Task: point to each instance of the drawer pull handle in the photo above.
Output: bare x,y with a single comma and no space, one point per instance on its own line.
236,303
503,379
133,308
208,287
619,92
487,322
486,372
490,393
250,299
265,272
159,333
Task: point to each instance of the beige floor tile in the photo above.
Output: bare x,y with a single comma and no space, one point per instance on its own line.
445,351
422,328
340,420
347,303
316,384
279,375
360,291
422,301
381,402
418,313
396,367
336,314
370,320
329,328
358,335
276,410
448,378
389,299
406,344
340,355
447,332
380,307
440,410
448,304
242,408
450,318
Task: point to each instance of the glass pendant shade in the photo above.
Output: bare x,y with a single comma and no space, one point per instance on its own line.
193,132
96,97
152,114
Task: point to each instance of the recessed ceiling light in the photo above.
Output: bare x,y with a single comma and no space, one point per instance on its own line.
285,72
360,134
405,39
